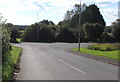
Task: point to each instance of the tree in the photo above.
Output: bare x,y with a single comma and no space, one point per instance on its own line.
72,16
116,29
46,35
92,15
107,37
93,31
31,33
65,35
14,34
39,32
47,22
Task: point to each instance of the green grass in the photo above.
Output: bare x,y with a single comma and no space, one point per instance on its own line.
11,59
108,54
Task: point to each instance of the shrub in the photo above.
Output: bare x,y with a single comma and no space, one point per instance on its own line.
46,35
107,37
5,41
39,32
104,47
93,31
65,35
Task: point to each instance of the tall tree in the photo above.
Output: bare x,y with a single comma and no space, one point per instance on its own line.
92,15
72,17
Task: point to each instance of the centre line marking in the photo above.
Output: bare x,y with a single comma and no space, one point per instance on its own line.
72,66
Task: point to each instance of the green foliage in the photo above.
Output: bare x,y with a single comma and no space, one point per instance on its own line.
108,54
30,33
40,32
46,22
92,15
107,37
14,34
18,39
89,14
66,35
71,18
9,63
46,35
108,29
116,30
5,41
4,37
93,31
13,31
104,47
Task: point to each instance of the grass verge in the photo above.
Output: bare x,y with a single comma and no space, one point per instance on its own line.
108,54
10,61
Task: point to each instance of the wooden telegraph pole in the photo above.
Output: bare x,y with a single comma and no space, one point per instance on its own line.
79,26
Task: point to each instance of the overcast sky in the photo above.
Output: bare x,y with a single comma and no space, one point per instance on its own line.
24,12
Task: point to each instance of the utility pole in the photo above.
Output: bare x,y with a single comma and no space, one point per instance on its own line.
37,28
79,26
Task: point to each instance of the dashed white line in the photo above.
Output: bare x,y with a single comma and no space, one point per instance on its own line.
72,66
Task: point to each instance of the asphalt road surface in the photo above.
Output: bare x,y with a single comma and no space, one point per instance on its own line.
52,61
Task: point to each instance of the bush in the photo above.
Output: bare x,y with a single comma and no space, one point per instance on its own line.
116,33
107,37
39,32
93,31
65,35
46,35
30,33
104,47
5,41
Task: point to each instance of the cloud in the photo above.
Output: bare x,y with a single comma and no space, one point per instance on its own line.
51,9
111,13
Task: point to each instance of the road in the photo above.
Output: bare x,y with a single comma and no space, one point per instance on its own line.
52,61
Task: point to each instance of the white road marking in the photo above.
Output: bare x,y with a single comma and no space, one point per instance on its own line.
72,66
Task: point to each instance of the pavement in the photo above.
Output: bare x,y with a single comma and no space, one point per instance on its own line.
53,61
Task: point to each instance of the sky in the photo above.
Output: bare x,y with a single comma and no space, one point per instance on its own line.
27,12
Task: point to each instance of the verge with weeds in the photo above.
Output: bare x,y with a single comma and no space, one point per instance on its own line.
105,50
9,63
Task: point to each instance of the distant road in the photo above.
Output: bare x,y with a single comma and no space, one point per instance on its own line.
52,61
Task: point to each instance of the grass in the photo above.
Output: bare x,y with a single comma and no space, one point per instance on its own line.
11,59
107,54
105,50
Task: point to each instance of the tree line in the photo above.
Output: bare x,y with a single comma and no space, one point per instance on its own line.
92,29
